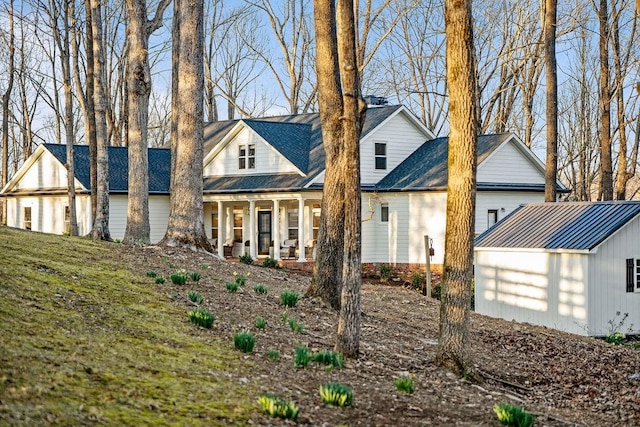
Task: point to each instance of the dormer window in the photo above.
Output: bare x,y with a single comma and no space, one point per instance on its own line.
247,156
380,155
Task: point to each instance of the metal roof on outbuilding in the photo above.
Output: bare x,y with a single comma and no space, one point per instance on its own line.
563,225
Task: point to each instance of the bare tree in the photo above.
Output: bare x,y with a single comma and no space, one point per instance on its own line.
452,352
139,89
606,164
186,223
100,229
551,170
5,110
341,116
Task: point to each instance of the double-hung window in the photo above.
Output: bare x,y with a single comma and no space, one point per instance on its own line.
247,156
380,151
27,218
384,212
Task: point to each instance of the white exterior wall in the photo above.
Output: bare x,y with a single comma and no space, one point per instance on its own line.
47,213
158,216
607,282
532,286
402,138
268,160
508,165
499,200
47,172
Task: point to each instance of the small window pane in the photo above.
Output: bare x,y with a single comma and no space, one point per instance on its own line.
252,150
243,150
384,213
381,162
242,163
252,163
492,217
381,149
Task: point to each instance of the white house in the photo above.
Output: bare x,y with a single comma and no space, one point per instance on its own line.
569,266
263,182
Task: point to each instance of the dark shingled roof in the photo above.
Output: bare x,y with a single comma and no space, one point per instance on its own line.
159,167
570,225
304,151
426,168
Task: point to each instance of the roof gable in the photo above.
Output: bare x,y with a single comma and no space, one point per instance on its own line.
290,139
570,225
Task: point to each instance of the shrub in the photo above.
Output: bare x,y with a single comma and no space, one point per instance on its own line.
151,274
276,406
512,415
202,317
160,280
436,291
329,358
336,394
385,271
194,296
195,276
269,262
302,357
246,259
295,326
417,280
260,323
244,341
404,384
231,286
289,298
260,288
179,278
273,354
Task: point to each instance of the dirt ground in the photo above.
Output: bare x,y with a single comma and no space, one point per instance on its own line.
562,379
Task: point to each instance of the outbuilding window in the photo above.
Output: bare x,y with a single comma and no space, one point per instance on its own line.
633,275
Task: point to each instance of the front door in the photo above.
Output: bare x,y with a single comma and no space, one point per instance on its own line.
264,232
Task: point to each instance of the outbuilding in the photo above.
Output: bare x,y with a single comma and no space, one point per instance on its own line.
571,266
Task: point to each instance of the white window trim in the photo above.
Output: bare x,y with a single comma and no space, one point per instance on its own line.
384,156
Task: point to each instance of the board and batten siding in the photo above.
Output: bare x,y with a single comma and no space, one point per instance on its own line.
47,172
508,165
607,282
268,159
504,202
402,138
47,213
533,286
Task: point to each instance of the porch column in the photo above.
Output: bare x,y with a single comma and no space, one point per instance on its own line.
252,229
276,229
301,233
222,232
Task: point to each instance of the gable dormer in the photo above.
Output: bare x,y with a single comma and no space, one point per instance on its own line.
259,147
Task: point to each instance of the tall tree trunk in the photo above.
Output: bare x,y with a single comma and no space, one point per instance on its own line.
5,113
138,86
348,337
327,276
452,352
100,229
90,119
186,222
65,58
606,164
551,169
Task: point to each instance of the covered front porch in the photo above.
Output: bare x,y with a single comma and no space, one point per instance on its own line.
280,226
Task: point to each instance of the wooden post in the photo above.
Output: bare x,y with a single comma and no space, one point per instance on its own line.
426,288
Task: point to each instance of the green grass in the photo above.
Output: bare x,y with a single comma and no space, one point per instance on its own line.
91,343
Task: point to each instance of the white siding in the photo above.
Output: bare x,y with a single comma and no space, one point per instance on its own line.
117,215
158,216
268,159
607,282
533,286
402,138
504,202
47,213
47,172
509,165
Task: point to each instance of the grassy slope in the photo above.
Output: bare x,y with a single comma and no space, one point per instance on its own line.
83,340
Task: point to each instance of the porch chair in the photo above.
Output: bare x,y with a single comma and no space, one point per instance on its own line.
310,249
288,248
228,247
